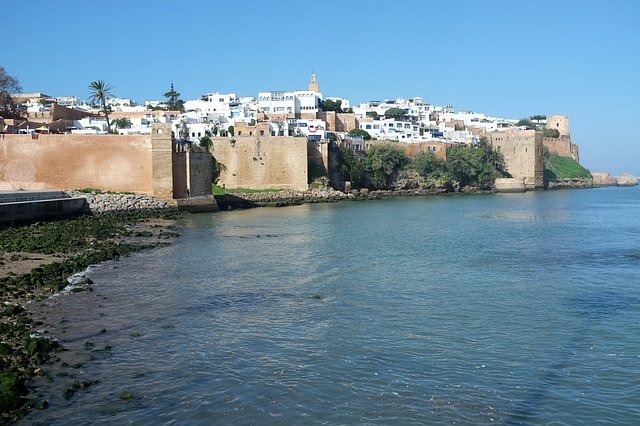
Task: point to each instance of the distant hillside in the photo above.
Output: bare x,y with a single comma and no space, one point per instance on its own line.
557,167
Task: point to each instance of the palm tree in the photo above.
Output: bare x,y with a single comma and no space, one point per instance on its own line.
100,91
122,123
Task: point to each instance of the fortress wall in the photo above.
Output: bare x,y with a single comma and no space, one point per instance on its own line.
522,150
262,162
345,122
318,152
200,173
563,147
46,162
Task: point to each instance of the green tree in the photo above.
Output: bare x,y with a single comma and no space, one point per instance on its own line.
206,143
372,114
360,132
464,164
382,161
352,168
395,113
231,130
427,164
174,103
527,123
551,133
100,92
330,105
8,107
122,123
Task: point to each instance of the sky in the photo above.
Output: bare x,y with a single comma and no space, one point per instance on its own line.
503,58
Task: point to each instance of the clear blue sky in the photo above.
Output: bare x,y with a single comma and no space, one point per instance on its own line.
509,58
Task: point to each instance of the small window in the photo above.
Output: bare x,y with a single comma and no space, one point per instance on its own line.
239,132
261,132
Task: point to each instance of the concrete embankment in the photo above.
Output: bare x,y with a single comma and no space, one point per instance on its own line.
29,206
25,206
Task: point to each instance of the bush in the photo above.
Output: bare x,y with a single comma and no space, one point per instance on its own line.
551,133
426,164
360,132
382,161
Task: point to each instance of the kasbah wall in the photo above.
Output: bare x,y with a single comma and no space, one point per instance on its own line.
262,162
563,145
522,150
45,162
147,164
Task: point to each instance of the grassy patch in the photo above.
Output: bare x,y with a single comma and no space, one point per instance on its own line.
557,167
222,191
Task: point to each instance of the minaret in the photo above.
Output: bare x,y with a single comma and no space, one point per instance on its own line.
313,86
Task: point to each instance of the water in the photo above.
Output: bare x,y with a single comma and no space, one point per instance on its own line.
511,309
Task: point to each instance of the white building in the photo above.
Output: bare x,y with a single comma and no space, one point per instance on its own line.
281,102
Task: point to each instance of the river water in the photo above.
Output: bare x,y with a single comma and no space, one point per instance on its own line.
505,308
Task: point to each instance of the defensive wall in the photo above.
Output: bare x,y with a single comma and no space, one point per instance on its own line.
52,162
149,164
563,146
522,150
262,162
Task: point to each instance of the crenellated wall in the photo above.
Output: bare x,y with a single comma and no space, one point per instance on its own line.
563,146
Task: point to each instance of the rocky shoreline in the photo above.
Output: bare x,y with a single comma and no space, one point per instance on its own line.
107,203
233,200
598,181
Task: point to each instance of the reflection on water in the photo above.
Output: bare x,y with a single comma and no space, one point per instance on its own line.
513,309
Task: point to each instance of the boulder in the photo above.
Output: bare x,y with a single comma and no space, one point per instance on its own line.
627,179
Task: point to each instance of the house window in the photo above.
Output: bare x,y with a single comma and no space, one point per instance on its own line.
261,132
239,132
368,126
390,124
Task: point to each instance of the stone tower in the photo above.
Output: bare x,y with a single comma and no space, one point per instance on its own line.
559,122
313,86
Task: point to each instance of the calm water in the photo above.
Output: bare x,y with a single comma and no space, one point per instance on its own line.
512,309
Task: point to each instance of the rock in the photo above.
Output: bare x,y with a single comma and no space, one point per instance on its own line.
627,179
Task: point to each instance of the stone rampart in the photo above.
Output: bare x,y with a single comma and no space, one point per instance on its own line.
262,162
563,146
108,162
510,185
